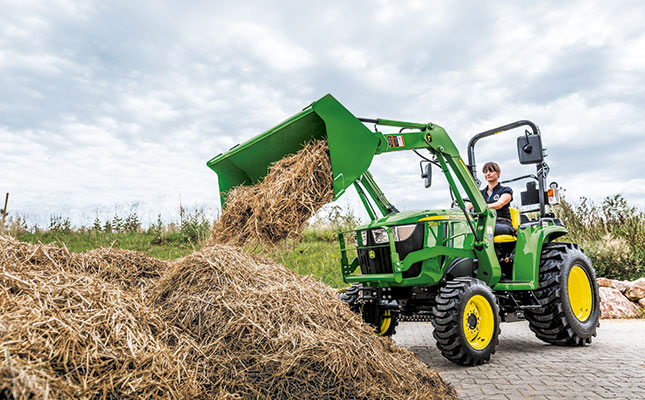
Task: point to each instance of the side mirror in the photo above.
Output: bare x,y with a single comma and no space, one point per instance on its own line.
426,174
529,149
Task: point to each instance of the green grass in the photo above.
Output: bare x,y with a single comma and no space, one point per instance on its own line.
317,254
166,246
612,233
320,259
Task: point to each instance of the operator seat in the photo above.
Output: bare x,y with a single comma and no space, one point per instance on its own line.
515,219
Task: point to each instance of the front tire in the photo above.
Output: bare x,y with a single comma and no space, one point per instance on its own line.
350,297
568,294
466,321
383,320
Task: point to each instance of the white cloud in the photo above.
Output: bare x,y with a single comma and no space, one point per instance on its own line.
630,55
349,58
267,45
127,102
46,64
149,107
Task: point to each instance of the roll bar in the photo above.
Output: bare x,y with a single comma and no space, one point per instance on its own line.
542,167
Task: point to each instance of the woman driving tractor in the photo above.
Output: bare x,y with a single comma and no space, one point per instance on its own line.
498,198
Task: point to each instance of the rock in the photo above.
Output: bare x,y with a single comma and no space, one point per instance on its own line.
612,283
636,290
614,305
641,303
604,282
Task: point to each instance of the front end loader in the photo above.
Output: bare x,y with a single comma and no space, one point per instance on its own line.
442,265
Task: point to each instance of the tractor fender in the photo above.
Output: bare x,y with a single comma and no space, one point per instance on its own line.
551,236
526,263
461,267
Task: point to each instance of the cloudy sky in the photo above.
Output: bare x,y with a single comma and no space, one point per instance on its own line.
112,103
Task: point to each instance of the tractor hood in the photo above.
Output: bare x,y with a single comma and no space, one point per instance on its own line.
414,216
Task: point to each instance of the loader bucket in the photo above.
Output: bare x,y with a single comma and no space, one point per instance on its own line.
351,147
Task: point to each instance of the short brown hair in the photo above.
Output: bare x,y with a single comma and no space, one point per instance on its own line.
491,166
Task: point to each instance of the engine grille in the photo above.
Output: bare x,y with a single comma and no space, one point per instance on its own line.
381,262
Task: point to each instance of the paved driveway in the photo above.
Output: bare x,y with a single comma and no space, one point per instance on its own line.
524,367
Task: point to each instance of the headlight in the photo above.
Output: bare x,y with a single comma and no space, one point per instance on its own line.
380,236
364,238
403,232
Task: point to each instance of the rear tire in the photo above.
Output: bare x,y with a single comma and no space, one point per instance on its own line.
568,294
466,321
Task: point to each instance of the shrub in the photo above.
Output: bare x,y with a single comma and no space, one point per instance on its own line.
330,222
132,223
195,227
59,224
612,233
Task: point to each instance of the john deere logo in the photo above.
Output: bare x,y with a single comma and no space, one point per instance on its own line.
372,254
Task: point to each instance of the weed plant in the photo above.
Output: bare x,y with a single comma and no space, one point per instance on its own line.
327,225
161,240
195,227
612,233
317,253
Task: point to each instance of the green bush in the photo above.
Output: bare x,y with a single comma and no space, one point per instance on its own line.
329,224
195,227
611,233
166,241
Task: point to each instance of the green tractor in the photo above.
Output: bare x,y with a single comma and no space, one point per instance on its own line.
444,265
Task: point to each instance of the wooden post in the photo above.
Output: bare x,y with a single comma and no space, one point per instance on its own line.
181,209
4,210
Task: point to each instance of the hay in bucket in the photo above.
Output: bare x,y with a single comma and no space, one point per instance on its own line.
277,208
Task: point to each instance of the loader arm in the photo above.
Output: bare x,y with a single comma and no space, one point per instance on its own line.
434,138
352,146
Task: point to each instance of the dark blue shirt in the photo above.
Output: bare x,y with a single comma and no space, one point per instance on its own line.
495,194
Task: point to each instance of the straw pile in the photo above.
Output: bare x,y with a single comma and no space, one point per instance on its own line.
216,324
122,267
282,335
67,334
277,208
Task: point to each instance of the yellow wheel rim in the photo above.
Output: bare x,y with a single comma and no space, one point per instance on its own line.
479,322
385,322
579,290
